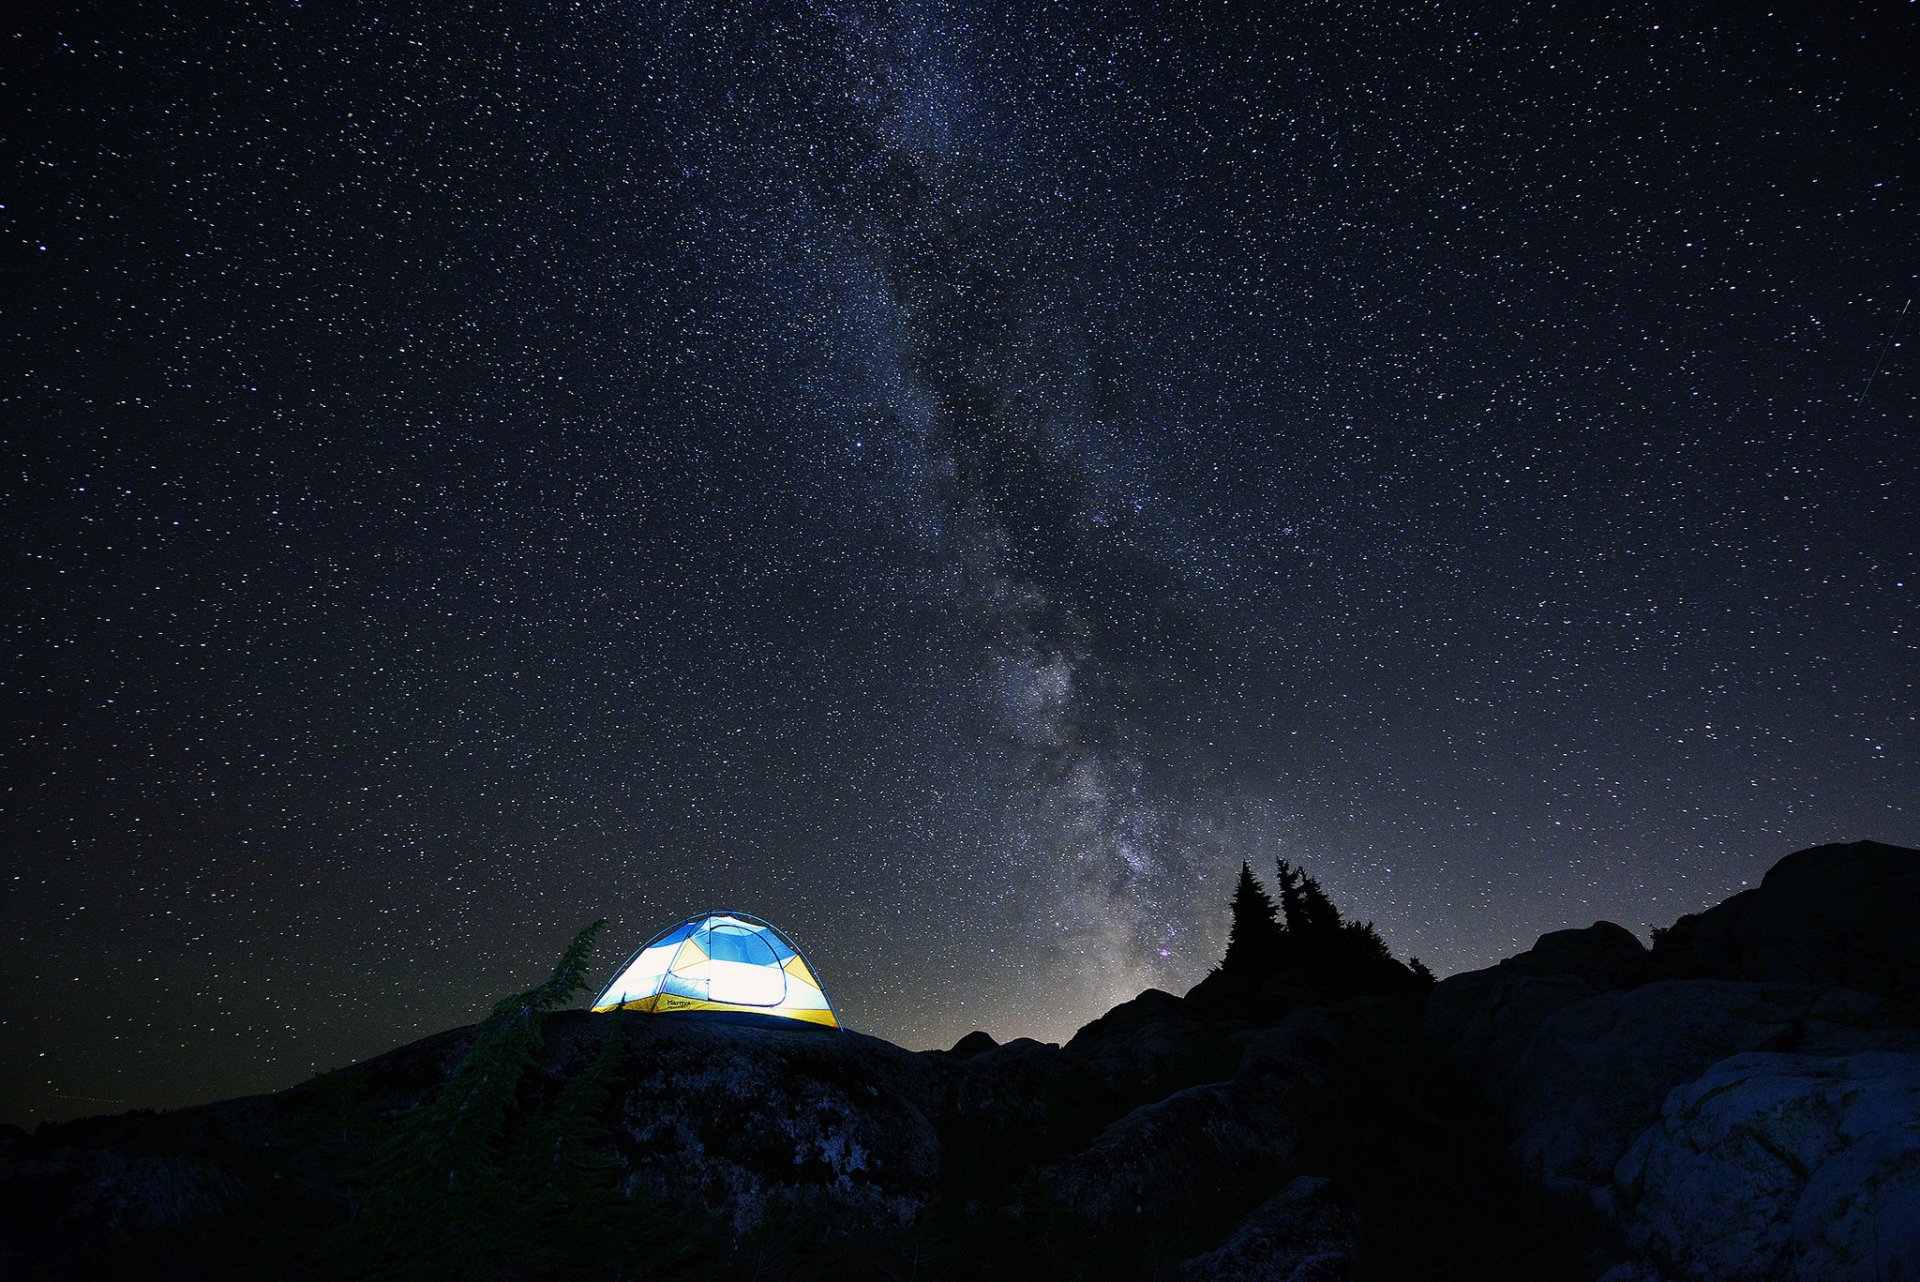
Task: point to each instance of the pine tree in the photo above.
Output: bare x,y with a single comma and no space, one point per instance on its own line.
566,1174
1320,920
1290,904
1363,946
1254,942
1328,948
438,1202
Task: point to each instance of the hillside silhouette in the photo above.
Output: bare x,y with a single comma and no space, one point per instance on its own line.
1740,1101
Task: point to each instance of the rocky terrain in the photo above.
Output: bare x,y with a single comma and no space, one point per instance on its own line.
1740,1101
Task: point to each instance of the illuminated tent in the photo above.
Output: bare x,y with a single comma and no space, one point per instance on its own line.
720,964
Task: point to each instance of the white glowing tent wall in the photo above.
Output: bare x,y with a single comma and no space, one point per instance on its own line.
728,963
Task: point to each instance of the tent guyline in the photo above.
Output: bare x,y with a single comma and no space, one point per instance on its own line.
728,964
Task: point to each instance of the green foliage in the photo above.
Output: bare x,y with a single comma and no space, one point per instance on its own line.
555,1156
337,1114
568,1208
451,1194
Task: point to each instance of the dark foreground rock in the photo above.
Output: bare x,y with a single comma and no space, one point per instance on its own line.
1307,1232
1178,1156
1782,1166
810,1153
1734,1104
767,1124
1741,1102
1841,916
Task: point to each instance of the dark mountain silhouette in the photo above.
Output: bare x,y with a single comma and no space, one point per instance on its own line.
1741,1101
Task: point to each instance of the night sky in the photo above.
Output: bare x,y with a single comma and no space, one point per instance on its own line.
951,481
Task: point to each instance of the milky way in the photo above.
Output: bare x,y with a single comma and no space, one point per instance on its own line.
951,480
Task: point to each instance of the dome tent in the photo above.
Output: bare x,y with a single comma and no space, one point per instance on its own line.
721,963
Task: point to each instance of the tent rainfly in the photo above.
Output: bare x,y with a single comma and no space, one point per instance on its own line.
722,964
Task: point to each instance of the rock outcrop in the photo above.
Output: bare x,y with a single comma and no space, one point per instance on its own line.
1489,1017
1782,1166
1763,1049
1182,1154
1739,1104
972,1044
767,1123
1841,916
1148,1047
1595,1074
1307,1232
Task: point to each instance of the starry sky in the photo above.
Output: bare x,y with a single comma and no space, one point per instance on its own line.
953,480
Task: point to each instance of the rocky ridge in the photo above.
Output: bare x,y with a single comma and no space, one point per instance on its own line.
1740,1101
1736,1102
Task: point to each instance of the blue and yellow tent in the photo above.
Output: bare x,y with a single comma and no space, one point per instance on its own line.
725,963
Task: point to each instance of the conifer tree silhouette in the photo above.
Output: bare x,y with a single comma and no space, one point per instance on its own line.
471,1186
1290,904
1317,940
1320,919
1254,942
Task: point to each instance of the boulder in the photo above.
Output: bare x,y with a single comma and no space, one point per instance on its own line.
1772,1166
1302,1048
1004,1110
1839,915
1181,1156
1606,955
1595,1073
1601,958
1633,1271
1017,1084
1491,1042
1489,1017
973,1044
1758,1027
1307,1232
1145,1048
761,1123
